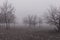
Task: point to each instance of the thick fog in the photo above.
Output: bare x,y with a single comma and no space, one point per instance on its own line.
31,7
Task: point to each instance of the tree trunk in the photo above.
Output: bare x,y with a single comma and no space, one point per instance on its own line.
58,29
59,25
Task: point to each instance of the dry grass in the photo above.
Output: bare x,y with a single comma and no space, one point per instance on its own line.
27,34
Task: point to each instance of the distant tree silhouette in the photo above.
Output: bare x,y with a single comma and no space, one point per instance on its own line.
7,13
39,21
30,20
54,17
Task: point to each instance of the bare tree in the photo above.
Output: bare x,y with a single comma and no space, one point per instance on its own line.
54,17
30,20
39,21
34,20
6,13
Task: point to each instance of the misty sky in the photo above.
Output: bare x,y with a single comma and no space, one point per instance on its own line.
33,7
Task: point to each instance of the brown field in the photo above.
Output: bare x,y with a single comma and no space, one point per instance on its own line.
27,34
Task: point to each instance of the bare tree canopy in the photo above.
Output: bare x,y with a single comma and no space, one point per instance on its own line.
32,20
54,17
6,13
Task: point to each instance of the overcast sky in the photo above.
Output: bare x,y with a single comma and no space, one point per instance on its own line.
33,7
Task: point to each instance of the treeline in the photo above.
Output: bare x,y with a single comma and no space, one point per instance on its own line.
7,16
52,17
32,20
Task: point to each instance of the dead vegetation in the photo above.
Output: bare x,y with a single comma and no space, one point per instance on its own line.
27,34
